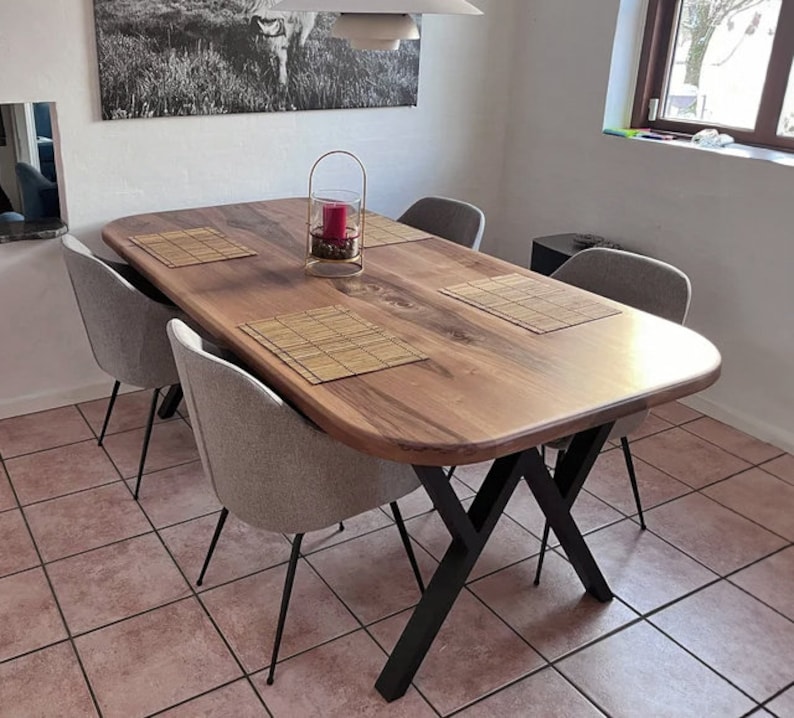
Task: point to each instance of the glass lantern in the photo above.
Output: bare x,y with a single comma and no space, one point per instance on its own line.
335,230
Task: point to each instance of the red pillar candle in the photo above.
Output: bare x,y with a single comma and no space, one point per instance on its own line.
335,222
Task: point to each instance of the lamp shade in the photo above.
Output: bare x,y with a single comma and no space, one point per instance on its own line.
378,7
366,31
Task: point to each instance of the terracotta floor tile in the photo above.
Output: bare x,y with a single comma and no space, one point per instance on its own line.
589,512
372,574
241,549
783,468
155,660
86,520
676,412
760,497
7,500
45,684
714,535
640,672
16,548
534,697
336,680
738,636
115,582
47,474
354,526
177,494
643,570
237,700
687,457
44,430
29,618
419,502
246,611
609,481
737,442
130,412
556,617
771,581
508,544
652,425
171,444
472,475
783,705
474,654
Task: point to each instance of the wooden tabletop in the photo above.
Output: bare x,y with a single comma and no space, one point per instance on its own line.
489,388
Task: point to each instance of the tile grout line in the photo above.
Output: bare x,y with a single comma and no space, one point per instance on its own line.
69,636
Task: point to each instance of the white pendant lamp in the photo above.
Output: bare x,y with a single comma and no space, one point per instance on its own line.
378,24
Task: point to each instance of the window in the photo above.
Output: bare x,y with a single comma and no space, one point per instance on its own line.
719,63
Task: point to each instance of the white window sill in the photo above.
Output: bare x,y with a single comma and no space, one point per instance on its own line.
734,150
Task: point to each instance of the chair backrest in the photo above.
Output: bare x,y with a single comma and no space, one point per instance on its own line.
640,282
39,195
457,221
126,329
266,463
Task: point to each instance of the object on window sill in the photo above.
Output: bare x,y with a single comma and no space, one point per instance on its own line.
711,138
585,241
644,134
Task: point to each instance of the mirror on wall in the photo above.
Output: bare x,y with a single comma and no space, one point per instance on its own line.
29,190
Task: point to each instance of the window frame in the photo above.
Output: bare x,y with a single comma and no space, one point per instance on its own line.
661,25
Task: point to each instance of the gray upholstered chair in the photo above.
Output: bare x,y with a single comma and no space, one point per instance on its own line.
457,221
272,468
126,331
637,281
451,219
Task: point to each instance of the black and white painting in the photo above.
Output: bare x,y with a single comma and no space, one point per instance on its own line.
160,58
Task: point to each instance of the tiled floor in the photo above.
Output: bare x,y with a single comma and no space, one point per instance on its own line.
100,615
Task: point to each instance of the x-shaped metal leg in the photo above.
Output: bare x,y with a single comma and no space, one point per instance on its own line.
471,530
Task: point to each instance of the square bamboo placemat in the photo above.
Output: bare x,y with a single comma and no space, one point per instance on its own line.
529,303
331,343
380,231
186,247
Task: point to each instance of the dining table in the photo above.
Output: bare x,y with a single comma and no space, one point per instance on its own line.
485,389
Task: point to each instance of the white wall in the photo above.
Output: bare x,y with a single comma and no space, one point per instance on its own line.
452,143
727,222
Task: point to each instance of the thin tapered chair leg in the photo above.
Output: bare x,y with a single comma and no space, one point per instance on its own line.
113,395
451,472
341,526
282,616
147,435
624,443
409,550
544,542
215,537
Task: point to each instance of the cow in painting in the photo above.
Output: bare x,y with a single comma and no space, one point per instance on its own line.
281,32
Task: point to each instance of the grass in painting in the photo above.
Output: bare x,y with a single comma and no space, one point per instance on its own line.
195,57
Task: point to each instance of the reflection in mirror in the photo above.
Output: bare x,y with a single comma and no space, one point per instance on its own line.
29,196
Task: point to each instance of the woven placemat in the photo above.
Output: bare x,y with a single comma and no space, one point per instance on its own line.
529,303
185,247
331,343
381,231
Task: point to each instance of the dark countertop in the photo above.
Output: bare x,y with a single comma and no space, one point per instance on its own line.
31,229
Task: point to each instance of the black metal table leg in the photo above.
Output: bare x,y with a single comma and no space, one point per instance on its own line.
470,532
170,402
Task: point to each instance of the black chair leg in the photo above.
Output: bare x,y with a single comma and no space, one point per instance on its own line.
451,472
215,537
170,402
409,550
624,443
544,542
341,526
147,435
282,616
113,395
